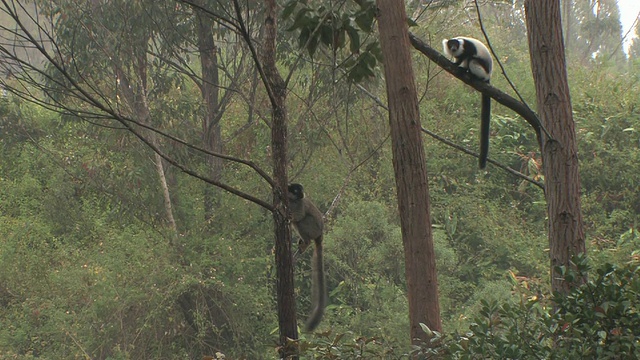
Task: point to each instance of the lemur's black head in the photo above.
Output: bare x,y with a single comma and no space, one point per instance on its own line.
453,45
296,191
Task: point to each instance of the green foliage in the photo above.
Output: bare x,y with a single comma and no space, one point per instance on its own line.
609,144
598,320
603,315
365,267
85,271
337,29
331,345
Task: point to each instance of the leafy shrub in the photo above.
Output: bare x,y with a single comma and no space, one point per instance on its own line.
598,320
331,345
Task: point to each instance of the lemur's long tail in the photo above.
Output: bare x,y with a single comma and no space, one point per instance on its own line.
485,121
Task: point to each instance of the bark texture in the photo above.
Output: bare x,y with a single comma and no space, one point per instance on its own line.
211,134
284,262
410,169
560,158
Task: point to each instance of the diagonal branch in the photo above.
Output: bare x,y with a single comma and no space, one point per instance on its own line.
503,98
187,171
472,153
504,72
452,144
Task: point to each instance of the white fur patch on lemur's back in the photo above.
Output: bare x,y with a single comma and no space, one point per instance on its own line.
478,70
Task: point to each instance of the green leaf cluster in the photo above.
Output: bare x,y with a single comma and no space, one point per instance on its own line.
598,320
336,28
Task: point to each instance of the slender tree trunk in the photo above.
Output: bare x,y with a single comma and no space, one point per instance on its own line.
142,113
410,170
284,262
166,194
139,105
211,135
560,158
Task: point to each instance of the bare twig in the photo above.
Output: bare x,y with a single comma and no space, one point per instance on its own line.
336,199
472,153
103,108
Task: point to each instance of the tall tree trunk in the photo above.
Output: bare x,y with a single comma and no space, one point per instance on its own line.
562,179
284,262
410,169
211,136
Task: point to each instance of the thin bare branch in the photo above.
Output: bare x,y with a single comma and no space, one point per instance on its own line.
346,181
103,109
472,153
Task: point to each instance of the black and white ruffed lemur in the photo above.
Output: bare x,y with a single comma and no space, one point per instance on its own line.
471,54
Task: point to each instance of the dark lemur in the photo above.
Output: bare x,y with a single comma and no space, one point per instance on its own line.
307,220
472,55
